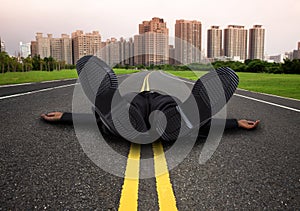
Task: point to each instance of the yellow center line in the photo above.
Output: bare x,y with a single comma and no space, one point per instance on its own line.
129,195
165,193
130,189
146,86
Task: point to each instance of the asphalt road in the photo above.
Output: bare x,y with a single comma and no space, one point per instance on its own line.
42,166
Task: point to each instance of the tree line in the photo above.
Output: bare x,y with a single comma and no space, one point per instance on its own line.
258,66
21,64
254,66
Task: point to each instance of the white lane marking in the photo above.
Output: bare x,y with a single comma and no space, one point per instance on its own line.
31,83
286,98
36,91
238,95
266,102
10,85
41,90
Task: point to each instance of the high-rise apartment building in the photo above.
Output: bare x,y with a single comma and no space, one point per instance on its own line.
214,42
61,48
152,44
58,48
129,52
43,45
296,53
256,42
188,41
25,49
139,48
104,52
66,46
115,52
55,48
126,51
122,44
172,60
235,42
85,44
33,48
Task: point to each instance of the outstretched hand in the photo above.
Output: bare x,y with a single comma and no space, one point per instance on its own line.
247,124
52,117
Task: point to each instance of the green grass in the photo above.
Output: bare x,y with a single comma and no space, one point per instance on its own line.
124,71
35,76
286,85
38,76
187,74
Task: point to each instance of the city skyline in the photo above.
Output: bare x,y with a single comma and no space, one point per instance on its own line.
122,18
151,45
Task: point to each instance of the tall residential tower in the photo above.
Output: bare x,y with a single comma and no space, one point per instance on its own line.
152,44
188,41
61,48
235,42
214,42
85,44
256,42
58,48
43,45
25,50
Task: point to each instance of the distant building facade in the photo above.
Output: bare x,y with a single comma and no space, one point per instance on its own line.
85,44
296,53
43,45
115,52
139,57
58,48
2,45
25,50
129,52
214,42
151,46
111,53
188,41
61,48
278,58
33,48
256,42
172,60
235,42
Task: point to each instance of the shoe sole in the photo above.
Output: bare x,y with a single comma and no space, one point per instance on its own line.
95,76
215,102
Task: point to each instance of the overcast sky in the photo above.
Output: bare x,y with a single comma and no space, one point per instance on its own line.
20,20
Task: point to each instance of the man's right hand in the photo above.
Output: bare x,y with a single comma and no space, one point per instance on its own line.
52,117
